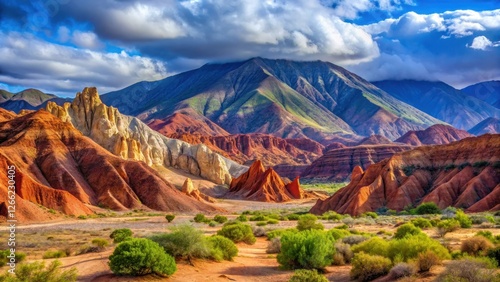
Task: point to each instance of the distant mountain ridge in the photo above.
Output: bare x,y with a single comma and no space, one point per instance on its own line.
285,98
487,91
28,99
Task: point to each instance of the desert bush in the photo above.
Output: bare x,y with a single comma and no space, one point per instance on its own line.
37,272
343,254
331,215
238,233
421,223
410,247
306,275
184,241
18,256
372,246
367,267
212,223
141,256
354,239
261,223
401,270
222,248
427,208
405,230
100,243
309,249
465,221
258,217
349,221
220,218
170,217
242,218
494,253
426,260
274,246
198,218
470,270
446,226
120,235
477,245
343,226
370,214
338,233
308,222
276,233
259,231
293,216
273,221
54,254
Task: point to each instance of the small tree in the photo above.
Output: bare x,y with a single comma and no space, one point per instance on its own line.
141,256
170,217
446,226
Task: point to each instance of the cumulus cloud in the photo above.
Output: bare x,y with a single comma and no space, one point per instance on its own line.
482,43
348,9
66,69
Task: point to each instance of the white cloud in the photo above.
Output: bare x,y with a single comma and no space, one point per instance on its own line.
87,40
482,43
66,69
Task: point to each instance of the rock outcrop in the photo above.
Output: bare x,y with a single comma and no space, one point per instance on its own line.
129,138
270,150
59,168
259,184
374,140
464,174
435,135
336,165
189,189
489,125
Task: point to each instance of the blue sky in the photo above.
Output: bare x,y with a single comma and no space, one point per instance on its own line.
61,46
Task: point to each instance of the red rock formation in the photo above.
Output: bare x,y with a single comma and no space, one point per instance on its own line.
259,184
375,140
290,171
463,174
435,135
186,121
270,150
334,145
59,168
337,164
189,189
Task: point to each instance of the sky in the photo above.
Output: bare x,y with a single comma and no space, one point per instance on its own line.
62,46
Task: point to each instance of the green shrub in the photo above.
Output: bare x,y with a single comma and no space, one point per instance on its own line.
308,222
276,233
372,246
261,223
222,248
338,233
401,270
465,221
220,218
494,253
367,267
354,239
18,256
184,241
198,218
331,215
170,217
272,221
212,223
477,245
370,214
426,260
100,243
422,223
469,270
120,235
343,254
242,218
37,272
410,247
258,217
310,249
293,216
141,256
274,246
54,254
446,226
305,275
238,233
427,208
405,230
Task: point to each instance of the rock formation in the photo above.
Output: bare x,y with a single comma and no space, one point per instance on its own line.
464,174
130,138
336,165
435,135
189,189
489,125
374,140
59,168
259,184
270,150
